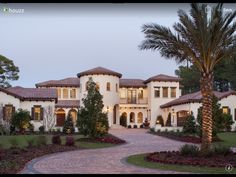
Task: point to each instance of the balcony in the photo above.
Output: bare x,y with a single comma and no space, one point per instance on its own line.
133,101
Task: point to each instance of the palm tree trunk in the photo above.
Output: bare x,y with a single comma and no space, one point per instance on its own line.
207,94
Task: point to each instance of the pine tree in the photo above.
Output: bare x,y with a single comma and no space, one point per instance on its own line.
68,127
92,121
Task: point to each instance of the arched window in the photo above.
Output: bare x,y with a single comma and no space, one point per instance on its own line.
132,117
73,113
97,86
65,93
108,86
140,117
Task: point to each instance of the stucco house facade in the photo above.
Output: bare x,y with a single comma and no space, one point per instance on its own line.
136,98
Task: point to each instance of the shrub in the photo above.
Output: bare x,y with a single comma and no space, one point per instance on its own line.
222,150
2,130
41,129
189,150
41,140
31,127
68,127
101,129
135,126
123,120
129,126
14,143
160,120
56,139
189,124
30,142
70,141
227,122
152,130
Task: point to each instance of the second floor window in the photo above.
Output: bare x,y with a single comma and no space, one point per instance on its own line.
140,94
59,93
73,93
157,92
65,93
108,86
165,92
173,92
123,93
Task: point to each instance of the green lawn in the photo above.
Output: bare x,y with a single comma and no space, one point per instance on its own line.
229,139
140,161
5,141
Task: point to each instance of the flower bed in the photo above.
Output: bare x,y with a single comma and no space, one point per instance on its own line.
14,159
112,140
174,157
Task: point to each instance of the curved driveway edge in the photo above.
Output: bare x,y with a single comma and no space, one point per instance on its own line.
105,160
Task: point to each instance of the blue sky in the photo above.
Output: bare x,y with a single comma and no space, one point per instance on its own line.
55,41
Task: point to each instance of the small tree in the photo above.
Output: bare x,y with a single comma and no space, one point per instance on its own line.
68,127
90,116
227,122
123,120
168,121
189,124
49,120
21,120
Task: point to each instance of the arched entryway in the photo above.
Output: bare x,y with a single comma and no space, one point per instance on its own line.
132,117
140,117
74,114
61,115
123,119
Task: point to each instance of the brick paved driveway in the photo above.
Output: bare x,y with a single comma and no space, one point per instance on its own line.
107,160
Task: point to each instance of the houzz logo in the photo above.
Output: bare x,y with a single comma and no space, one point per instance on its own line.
13,11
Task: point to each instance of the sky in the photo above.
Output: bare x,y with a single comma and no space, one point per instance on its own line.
56,41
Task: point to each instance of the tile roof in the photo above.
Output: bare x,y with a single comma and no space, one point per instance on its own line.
31,93
196,97
99,70
162,77
67,104
67,82
132,83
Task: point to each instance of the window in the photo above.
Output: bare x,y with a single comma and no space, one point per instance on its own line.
132,117
165,92
157,92
108,86
37,113
116,87
65,93
97,86
73,93
173,92
140,94
8,111
140,117
59,93
225,109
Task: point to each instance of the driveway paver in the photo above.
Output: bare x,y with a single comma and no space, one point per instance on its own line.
106,160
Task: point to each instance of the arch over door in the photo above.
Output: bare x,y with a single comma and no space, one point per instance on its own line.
61,115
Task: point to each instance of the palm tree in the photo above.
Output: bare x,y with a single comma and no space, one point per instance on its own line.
202,38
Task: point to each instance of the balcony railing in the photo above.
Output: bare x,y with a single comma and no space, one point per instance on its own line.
133,101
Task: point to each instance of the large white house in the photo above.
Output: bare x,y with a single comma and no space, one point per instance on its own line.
137,99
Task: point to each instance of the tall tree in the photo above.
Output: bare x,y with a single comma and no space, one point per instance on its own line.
8,71
91,120
202,38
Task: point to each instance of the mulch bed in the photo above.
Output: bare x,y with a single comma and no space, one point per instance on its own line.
106,139
184,138
13,160
174,157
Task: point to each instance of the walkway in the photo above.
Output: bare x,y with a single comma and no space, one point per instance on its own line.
107,160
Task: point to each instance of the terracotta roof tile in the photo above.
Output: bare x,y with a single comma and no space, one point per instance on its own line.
67,104
31,93
99,70
162,77
195,97
67,82
132,83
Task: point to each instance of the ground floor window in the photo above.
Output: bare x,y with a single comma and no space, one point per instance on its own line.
132,117
140,117
37,113
8,111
